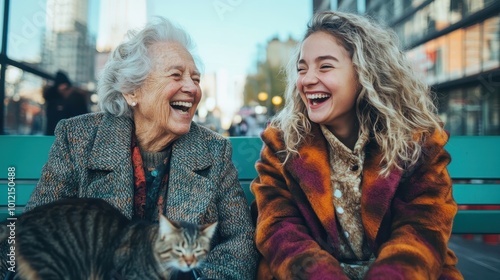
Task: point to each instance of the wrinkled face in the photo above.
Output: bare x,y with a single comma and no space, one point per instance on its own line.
168,98
327,81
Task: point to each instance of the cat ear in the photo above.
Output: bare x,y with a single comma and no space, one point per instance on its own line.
209,230
166,227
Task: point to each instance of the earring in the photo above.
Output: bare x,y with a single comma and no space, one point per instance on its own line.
134,104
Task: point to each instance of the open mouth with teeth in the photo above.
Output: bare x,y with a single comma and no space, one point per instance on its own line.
317,98
181,105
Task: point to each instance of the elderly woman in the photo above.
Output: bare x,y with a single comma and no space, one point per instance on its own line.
143,153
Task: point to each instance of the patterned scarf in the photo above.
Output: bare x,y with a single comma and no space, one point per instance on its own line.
146,192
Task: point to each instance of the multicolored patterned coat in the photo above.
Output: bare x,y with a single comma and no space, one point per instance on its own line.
91,157
407,216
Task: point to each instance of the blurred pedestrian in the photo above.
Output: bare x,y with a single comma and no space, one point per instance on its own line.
63,101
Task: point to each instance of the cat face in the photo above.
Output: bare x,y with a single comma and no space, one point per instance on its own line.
182,246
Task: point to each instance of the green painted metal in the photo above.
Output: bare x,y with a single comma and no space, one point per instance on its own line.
21,195
477,194
4,215
26,153
246,151
246,188
477,221
473,157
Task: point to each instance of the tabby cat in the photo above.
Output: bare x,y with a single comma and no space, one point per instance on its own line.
87,238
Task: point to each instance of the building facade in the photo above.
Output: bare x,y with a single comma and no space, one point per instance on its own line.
67,44
455,47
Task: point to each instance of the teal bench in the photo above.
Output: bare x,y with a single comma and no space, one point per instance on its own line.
475,169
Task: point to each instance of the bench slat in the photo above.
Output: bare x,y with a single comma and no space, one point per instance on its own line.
26,153
22,194
246,151
474,157
477,221
477,194
4,213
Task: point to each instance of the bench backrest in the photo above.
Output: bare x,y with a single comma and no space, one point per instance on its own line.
475,169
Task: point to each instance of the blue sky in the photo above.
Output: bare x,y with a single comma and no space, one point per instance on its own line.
228,33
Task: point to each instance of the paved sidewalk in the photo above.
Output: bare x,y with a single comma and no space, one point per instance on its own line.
476,260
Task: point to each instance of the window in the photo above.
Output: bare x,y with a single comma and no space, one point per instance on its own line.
23,102
453,111
25,31
456,53
491,43
491,110
457,10
440,11
475,5
437,60
473,110
472,49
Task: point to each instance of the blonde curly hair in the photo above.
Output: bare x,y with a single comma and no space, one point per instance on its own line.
394,107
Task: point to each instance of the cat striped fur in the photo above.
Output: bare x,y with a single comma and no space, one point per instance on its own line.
87,238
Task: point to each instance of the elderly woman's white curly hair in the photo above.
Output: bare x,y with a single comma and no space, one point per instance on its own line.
129,64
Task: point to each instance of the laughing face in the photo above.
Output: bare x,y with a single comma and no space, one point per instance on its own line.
327,82
167,100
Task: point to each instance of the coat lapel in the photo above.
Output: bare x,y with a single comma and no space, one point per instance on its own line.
112,143
311,170
190,157
377,193
110,173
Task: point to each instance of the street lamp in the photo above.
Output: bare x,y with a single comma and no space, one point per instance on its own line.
277,100
262,96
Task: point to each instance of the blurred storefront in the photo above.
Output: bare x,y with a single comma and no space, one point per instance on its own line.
455,47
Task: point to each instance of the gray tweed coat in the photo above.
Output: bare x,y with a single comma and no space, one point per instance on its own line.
91,157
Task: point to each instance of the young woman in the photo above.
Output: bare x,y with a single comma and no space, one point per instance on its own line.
352,177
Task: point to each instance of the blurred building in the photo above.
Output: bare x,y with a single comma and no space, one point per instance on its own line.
116,18
67,43
222,97
208,113
263,90
279,52
455,47
321,5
